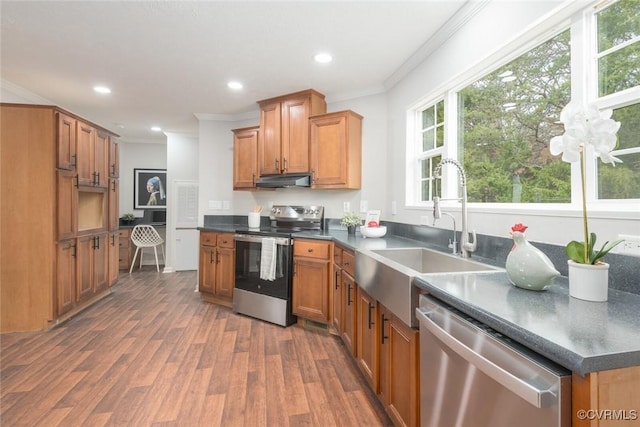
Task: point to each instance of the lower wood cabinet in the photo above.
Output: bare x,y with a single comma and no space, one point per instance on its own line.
125,245
349,330
114,256
216,273
311,278
66,276
399,369
367,338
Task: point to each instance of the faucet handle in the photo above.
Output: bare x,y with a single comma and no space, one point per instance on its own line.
471,246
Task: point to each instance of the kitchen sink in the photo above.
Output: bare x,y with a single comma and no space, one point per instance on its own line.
424,260
386,275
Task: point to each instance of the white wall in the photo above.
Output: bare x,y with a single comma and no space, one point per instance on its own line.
137,156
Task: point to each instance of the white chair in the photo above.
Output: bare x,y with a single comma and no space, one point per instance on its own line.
146,236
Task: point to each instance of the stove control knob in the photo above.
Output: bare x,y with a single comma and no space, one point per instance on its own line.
316,212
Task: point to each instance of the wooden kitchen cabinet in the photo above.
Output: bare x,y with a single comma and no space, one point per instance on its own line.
43,202
399,369
67,206
216,273
114,159
113,222
311,278
245,158
367,337
335,296
283,139
65,276
114,256
336,150
125,252
66,143
349,303
615,391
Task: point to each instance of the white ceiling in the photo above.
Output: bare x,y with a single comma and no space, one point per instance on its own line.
166,61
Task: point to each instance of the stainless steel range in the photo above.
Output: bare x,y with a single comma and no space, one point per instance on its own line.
264,263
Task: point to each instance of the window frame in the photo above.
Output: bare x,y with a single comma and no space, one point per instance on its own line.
584,82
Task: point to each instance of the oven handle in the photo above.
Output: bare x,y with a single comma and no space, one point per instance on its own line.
528,392
283,241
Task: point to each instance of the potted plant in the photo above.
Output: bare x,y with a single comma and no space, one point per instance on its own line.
351,220
128,218
586,128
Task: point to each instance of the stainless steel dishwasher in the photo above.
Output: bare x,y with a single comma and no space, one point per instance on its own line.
472,376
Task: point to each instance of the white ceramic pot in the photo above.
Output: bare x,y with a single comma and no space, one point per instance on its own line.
589,282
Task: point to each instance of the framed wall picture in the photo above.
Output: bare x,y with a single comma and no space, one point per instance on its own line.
149,188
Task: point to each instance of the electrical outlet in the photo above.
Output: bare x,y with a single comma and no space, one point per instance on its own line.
424,220
363,206
226,205
394,208
630,246
215,204
346,207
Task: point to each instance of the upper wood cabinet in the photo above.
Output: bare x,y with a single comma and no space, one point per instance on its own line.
336,150
114,159
283,140
66,142
245,158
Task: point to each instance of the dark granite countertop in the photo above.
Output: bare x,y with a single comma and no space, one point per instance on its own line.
579,335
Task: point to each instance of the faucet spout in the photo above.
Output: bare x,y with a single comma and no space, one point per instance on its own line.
467,246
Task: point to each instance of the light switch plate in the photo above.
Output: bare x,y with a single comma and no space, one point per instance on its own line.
364,206
346,207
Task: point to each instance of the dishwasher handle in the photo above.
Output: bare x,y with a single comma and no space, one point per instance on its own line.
528,392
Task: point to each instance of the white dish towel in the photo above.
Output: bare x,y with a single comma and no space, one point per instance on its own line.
268,259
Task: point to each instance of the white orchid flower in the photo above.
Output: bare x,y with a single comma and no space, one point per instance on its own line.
586,126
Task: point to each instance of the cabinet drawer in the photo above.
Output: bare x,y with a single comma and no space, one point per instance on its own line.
349,262
337,256
124,234
225,240
124,243
208,239
309,249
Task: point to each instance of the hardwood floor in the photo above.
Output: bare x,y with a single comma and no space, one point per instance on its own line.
153,354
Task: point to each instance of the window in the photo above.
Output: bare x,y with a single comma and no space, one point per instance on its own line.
618,69
507,119
432,137
502,122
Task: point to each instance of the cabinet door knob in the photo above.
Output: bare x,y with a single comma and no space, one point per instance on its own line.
310,250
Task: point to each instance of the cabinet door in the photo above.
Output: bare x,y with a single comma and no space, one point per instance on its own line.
225,272
399,370
100,262
114,209
66,142
311,288
124,253
337,314
65,277
86,140
349,310
269,139
114,159
84,268
101,160
207,271
67,217
336,150
114,256
295,136
245,158
367,337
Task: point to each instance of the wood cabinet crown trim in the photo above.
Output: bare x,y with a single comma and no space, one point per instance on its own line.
299,94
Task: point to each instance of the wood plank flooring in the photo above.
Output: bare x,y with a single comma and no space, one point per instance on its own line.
153,354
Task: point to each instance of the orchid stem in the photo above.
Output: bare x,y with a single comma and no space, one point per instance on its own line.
584,208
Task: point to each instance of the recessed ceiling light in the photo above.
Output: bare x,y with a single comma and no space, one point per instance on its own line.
323,58
234,85
102,89
156,128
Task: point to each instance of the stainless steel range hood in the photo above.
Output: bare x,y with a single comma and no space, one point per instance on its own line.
284,180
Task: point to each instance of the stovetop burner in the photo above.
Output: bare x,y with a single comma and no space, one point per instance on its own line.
286,220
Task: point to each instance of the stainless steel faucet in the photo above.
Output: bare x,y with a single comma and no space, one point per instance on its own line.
466,246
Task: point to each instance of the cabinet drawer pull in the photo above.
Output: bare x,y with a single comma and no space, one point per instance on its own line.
382,335
310,250
371,322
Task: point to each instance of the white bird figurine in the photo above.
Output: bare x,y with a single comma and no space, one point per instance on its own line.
527,266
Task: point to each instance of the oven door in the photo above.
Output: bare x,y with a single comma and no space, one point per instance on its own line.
248,259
